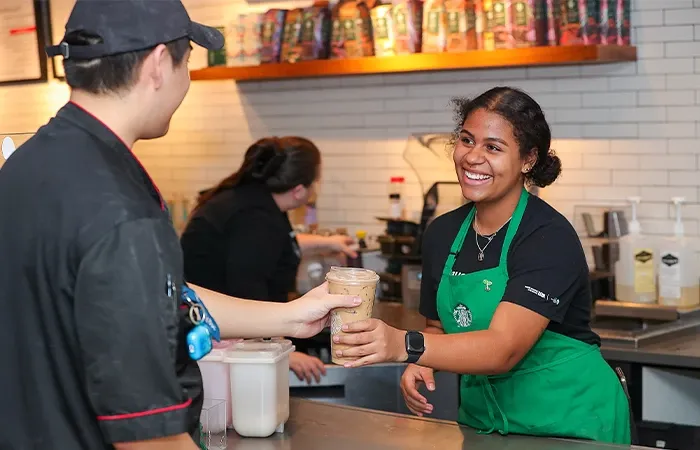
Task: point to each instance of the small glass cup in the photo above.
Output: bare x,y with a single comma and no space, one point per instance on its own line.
213,424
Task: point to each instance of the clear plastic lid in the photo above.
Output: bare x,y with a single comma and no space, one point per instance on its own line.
258,350
351,275
218,351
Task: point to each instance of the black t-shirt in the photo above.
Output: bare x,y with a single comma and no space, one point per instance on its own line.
241,244
93,341
545,256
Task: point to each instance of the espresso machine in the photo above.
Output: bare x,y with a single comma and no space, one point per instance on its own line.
429,155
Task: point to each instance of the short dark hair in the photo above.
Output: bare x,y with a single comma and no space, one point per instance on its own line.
115,73
530,128
278,163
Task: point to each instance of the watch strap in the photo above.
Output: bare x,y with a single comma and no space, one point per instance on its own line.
413,358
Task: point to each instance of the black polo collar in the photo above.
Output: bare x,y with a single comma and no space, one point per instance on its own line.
83,119
80,117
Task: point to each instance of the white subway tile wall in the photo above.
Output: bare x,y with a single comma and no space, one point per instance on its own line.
621,129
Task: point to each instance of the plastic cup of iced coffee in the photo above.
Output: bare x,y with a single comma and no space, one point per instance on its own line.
356,282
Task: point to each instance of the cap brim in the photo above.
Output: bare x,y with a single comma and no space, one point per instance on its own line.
207,37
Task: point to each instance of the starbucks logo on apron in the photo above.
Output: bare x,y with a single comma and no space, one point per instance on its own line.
462,315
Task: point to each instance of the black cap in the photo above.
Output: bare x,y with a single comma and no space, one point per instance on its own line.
132,25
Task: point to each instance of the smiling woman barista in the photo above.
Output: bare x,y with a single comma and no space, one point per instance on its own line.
506,293
239,240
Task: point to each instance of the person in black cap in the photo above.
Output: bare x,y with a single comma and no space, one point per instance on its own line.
95,330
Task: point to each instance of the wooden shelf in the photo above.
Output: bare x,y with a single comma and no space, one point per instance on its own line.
424,62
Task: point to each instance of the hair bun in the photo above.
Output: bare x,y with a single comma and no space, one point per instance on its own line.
268,160
546,170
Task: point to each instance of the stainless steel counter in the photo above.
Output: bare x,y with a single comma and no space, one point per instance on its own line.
677,351
376,388
680,352
317,426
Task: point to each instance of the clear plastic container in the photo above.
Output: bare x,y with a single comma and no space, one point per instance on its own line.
215,376
635,271
350,281
679,275
213,422
259,378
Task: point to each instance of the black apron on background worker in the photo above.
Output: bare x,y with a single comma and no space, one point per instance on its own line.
239,240
241,244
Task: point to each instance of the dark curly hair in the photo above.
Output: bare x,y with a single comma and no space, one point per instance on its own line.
530,128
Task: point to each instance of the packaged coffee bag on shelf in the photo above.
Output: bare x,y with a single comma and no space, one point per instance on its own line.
337,47
523,26
291,37
608,22
271,35
434,26
544,23
382,30
244,35
351,35
461,25
498,33
553,34
589,11
218,57
316,32
407,21
235,33
568,20
623,22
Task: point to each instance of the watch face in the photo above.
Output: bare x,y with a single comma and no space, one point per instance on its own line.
415,342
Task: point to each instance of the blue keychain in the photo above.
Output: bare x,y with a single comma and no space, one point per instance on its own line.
205,328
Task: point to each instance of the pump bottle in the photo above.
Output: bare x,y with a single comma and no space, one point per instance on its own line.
679,275
635,278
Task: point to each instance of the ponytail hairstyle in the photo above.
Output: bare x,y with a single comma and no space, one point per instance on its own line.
280,164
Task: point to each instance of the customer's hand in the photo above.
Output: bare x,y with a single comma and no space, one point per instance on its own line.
341,244
305,367
411,379
372,342
309,314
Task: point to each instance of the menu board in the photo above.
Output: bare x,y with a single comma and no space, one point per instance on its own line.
22,41
60,10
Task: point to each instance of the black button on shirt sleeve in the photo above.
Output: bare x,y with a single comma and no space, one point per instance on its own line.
545,271
255,245
127,330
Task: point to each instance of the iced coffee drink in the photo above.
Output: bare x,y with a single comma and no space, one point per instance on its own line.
356,282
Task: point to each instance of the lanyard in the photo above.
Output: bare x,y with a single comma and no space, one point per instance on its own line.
199,338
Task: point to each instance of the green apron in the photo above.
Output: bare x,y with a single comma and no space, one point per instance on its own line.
563,387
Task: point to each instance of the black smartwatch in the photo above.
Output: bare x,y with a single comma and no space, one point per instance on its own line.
415,346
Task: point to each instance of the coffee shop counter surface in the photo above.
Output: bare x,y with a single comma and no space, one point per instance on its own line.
318,426
679,351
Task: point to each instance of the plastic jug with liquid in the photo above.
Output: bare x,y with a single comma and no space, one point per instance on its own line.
679,274
259,377
635,271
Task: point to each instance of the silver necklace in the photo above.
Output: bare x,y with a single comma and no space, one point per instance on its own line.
489,238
